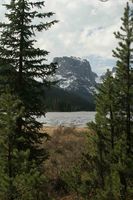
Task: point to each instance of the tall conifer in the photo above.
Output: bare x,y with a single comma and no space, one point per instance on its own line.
124,97
124,77
100,161
22,65
112,159
24,72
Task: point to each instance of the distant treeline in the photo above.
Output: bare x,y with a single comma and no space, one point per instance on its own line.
57,99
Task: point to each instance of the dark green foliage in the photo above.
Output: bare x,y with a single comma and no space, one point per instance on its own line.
110,163
21,64
103,179
24,72
8,115
124,94
124,73
57,99
20,178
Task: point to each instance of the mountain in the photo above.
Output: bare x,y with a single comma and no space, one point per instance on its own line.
75,75
76,85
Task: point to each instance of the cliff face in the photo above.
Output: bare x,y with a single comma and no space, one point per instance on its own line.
75,75
75,88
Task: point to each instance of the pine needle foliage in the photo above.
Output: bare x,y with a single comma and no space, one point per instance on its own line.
22,65
24,71
111,161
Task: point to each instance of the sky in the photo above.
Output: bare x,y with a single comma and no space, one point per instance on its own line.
85,30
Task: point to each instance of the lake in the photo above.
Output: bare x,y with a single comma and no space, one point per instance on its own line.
78,119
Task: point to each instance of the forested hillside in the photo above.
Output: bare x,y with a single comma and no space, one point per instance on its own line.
57,99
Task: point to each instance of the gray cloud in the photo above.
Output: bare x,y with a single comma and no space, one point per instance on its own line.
85,28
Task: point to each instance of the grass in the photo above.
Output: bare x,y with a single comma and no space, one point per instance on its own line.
66,146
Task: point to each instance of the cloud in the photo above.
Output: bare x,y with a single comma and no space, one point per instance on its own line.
85,28
99,41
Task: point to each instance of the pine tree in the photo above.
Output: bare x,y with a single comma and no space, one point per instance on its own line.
19,180
24,72
22,66
113,127
124,72
100,160
9,113
124,96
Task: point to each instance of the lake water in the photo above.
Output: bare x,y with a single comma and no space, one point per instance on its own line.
78,119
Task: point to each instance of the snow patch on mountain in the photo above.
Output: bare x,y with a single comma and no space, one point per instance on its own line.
98,79
75,75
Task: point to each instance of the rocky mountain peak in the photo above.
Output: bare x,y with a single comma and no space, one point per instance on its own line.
75,74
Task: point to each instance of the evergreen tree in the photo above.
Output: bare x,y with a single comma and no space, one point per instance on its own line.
9,156
8,115
24,72
111,161
22,65
124,96
124,77
100,160
19,180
